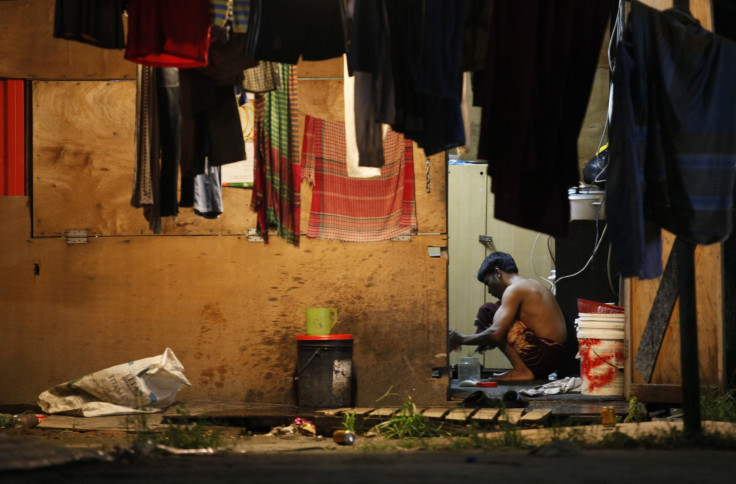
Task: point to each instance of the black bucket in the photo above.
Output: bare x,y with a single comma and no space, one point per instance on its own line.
325,371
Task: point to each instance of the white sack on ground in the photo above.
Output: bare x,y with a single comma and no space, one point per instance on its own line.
143,386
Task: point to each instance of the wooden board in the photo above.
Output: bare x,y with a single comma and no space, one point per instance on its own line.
127,423
29,50
534,416
659,317
383,412
511,415
459,414
486,414
435,412
667,370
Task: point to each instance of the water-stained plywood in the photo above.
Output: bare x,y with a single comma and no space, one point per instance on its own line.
708,295
29,51
84,163
230,309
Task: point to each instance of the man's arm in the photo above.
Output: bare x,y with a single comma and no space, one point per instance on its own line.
502,321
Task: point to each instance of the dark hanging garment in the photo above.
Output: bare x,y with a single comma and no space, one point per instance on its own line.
369,62
169,118
425,46
155,183
94,22
287,29
673,137
541,59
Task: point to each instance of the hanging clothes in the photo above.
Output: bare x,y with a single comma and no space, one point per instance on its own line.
157,144
208,192
541,59
288,29
369,84
264,77
406,60
211,128
168,33
93,22
354,209
277,173
354,151
673,137
237,11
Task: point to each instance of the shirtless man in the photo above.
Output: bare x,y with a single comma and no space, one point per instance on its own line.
527,326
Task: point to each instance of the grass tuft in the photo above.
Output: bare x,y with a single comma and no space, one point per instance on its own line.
408,423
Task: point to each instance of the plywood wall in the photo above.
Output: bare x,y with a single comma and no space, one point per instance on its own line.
229,308
29,51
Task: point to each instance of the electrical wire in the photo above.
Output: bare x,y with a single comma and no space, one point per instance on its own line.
596,246
531,261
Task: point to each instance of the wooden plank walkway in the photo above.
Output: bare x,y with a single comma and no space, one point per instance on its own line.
264,415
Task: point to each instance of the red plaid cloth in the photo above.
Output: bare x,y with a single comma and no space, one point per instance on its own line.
357,209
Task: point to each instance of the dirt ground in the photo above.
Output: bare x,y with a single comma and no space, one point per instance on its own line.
110,457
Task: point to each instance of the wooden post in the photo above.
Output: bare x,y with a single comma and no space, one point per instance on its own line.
688,337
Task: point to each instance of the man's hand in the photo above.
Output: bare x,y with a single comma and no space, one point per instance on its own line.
455,339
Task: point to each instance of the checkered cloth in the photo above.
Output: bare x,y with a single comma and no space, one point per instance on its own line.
277,172
355,209
264,77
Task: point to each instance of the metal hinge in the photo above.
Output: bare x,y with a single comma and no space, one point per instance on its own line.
487,240
76,236
253,236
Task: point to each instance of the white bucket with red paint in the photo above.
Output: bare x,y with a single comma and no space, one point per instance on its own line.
601,343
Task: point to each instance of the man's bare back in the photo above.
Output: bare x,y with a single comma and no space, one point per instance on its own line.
538,309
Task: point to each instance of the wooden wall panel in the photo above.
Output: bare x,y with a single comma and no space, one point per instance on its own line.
84,162
708,269
230,309
665,384
29,51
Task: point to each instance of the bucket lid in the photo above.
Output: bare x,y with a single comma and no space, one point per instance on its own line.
323,337
586,306
601,317
601,334
599,325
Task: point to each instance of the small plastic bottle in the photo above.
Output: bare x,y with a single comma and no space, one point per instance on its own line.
608,416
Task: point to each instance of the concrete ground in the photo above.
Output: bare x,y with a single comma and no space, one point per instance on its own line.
56,455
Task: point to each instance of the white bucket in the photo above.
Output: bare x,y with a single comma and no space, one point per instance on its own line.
601,360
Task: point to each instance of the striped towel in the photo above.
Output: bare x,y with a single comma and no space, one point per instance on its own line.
354,209
237,10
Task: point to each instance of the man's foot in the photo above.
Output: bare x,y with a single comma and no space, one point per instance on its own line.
514,375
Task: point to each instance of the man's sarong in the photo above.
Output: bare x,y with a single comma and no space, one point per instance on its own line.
540,355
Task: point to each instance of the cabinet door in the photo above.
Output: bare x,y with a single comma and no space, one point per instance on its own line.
466,221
